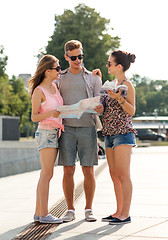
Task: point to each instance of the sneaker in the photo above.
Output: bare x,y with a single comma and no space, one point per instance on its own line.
117,221
89,216
50,219
69,216
36,218
107,219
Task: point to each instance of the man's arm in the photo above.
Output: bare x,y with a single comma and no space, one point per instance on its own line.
99,109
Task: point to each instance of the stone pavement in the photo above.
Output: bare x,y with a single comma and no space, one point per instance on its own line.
149,209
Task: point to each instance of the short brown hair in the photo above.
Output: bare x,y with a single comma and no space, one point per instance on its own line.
72,44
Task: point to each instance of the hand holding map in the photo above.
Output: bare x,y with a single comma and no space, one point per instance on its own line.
76,110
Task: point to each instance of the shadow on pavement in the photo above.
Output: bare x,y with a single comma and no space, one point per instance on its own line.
13,232
97,232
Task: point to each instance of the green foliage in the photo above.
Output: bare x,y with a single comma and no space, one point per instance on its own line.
14,99
21,103
5,96
87,26
151,96
5,87
3,61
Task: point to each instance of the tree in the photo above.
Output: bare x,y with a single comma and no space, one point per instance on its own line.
151,96
3,61
5,96
5,88
20,104
87,26
14,99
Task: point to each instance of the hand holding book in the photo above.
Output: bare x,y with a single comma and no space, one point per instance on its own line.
113,86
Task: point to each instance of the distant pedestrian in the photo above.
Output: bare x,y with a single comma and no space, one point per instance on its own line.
45,99
119,135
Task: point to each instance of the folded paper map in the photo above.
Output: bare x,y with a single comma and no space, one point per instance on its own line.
76,110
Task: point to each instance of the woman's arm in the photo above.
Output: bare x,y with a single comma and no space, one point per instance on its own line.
97,72
37,99
128,103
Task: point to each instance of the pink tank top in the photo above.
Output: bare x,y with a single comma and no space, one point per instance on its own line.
51,103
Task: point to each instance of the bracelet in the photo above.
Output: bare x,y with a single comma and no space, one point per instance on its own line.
123,102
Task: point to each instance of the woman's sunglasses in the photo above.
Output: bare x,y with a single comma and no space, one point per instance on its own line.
109,64
58,68
73,58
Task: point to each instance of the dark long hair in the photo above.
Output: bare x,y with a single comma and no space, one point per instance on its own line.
123,58
45,63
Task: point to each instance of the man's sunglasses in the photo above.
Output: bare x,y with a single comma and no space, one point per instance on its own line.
73,58
58,68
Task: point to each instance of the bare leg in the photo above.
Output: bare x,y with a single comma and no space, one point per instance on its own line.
122,155
68,185
89,185
47,158
115,179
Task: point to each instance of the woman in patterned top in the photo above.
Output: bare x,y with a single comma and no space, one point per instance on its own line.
119,135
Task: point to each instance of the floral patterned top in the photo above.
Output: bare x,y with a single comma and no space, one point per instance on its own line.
115,119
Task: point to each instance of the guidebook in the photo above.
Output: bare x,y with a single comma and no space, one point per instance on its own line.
113,86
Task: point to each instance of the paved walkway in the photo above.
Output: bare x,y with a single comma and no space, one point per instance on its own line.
149,209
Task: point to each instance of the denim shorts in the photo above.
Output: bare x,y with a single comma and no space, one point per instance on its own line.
46,138
120,139
81,142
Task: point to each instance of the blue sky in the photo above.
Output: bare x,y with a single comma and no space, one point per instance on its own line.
26,26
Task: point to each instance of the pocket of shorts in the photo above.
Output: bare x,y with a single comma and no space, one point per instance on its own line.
52,137
94,133
38,137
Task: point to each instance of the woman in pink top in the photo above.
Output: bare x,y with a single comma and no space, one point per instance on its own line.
45,99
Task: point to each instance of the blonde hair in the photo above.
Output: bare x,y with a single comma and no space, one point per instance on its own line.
71,45
46,62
